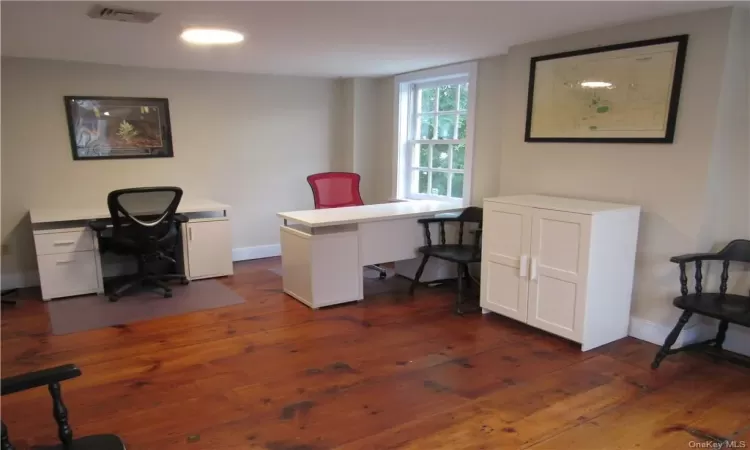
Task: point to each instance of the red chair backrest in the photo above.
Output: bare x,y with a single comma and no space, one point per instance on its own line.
335,189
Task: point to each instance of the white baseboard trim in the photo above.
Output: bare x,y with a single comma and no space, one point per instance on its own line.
15,280
31,278
656,333
738,339
257,252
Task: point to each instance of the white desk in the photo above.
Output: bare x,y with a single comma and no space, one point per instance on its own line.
68,252
323,251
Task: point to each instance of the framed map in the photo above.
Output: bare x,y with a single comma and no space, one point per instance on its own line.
617,93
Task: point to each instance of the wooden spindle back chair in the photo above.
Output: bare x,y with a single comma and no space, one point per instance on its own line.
460,252
726,308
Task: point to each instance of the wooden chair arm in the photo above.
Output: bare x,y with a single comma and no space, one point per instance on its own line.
430,220
692,257
30,380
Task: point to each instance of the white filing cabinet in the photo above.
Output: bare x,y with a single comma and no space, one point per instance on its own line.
562,265
321,267
68,262
208,245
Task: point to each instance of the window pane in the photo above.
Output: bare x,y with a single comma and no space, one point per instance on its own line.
462,126
420,179
421,155
459,153
440,156
446,126
439,183
463,101
427,100
448,96
426,127
457,185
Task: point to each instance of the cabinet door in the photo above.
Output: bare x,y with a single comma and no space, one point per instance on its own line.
505,248
209,248
559,265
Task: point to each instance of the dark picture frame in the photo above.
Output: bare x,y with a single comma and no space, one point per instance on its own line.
118,127
608,135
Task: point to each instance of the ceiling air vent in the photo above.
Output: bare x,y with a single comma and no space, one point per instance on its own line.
121,14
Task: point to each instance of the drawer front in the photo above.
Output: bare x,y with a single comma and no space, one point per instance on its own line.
67,274
70,241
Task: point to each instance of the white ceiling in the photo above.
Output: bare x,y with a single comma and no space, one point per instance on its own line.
310,38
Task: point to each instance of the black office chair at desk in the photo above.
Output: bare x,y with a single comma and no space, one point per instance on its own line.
145,225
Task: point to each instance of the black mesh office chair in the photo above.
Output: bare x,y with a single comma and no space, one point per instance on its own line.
52,379
145,225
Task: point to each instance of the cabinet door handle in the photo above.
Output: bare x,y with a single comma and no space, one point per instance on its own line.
190,234
523,268
65,261
533,268
63,242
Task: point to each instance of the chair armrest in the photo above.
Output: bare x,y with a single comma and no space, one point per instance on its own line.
181,218
30,380
98,225
692,257
438,220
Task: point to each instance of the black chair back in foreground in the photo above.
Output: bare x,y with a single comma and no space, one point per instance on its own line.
52,379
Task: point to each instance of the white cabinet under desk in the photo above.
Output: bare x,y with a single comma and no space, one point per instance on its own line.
68,255
561,265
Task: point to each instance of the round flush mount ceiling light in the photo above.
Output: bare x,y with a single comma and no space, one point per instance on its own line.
596,84
211,36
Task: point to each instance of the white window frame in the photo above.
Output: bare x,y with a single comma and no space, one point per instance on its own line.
404,90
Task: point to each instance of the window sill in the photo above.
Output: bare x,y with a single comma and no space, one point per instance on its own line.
458,201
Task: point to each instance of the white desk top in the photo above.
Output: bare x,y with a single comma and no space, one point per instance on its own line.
66,214
367,213
560,203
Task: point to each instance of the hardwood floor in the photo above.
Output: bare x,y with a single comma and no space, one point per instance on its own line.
389,372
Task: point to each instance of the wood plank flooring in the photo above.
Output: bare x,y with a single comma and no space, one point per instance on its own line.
390,372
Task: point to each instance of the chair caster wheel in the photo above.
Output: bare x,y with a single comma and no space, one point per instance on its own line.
382,276
184,281
168,294
113,298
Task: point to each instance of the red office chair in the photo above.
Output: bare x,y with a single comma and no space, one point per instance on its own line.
336,190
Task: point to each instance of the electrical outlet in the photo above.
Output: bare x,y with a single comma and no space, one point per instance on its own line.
5,249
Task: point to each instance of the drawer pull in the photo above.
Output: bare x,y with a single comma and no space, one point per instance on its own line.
65,261
63,242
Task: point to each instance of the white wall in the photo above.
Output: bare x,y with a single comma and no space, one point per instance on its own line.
365,136
669,181
680,186
247,140
343,155
728,196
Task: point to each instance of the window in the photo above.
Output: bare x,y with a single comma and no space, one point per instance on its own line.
434,134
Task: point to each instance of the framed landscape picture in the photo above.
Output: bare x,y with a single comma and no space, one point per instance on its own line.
617,93
118,127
